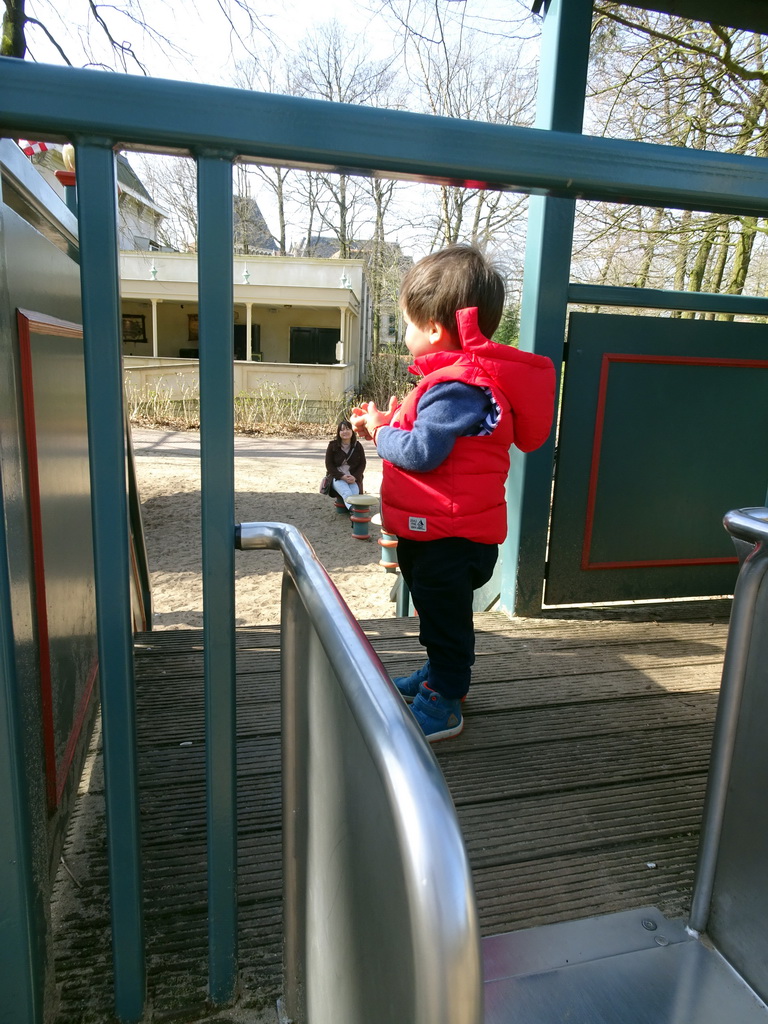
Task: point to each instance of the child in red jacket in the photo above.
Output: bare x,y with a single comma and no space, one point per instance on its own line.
445,453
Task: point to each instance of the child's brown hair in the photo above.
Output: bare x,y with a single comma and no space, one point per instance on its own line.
451,279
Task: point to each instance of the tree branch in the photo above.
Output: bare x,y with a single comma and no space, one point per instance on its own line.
735,67
52,41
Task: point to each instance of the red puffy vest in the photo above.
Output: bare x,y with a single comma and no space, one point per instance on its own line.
465,495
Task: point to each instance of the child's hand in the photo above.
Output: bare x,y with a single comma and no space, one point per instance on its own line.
376,418
357,418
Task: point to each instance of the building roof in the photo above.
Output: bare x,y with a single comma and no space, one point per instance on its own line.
127,176
251,233
129,183
751,15
327,247
322,246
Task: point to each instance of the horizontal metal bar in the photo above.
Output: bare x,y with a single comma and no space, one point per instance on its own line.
56,103
656,298
751,15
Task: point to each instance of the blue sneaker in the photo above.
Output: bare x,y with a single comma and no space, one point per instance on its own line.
409,685
439,718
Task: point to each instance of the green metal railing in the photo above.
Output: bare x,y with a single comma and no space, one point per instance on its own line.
100,112
65,103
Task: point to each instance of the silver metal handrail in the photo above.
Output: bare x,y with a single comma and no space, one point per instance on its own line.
748,526
380,921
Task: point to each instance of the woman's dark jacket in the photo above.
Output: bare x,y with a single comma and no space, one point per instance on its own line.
336,457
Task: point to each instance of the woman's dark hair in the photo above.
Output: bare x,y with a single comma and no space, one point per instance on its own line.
344,423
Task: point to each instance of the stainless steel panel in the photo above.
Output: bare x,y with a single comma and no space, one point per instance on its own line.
679,983
739,906
65,508
534,950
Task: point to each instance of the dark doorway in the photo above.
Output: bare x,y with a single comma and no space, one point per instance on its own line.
241,338
314,344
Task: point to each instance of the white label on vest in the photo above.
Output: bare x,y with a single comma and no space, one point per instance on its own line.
417,523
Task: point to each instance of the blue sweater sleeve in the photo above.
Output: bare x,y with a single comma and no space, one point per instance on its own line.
445,412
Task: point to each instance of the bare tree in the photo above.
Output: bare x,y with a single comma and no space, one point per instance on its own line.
330,65
13,42
272,72
669,80
450,66
29,23
172,182
384,260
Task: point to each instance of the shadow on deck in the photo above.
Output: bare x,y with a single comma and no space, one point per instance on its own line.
578,780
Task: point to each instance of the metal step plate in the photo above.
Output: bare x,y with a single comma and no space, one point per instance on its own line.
635,967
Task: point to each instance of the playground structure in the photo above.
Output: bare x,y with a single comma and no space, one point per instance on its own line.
555,164
362,510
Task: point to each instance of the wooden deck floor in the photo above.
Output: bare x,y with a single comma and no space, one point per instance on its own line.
578,780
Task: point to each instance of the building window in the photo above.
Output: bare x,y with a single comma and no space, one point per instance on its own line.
133,327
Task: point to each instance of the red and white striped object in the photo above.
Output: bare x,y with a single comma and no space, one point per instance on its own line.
30,148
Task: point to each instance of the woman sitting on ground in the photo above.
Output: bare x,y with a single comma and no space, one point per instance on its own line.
345,463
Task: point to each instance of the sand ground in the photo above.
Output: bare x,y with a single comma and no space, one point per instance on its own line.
276,480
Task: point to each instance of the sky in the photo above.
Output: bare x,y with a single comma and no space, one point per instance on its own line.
213,44
195,26
206,48
199,27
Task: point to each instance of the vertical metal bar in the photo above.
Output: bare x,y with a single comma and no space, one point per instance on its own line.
97,189
217,447
70,198
22,948
560,106
402,599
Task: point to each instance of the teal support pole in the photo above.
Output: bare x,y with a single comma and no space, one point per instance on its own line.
560,107
22,932
70,190
97,214
402,599
217,450
70,198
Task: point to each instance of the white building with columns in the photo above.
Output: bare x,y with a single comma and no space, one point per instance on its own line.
300,323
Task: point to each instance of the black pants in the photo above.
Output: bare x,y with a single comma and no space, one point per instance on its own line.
442,576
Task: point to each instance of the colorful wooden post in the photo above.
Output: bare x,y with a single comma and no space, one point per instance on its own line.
388,544
361,514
